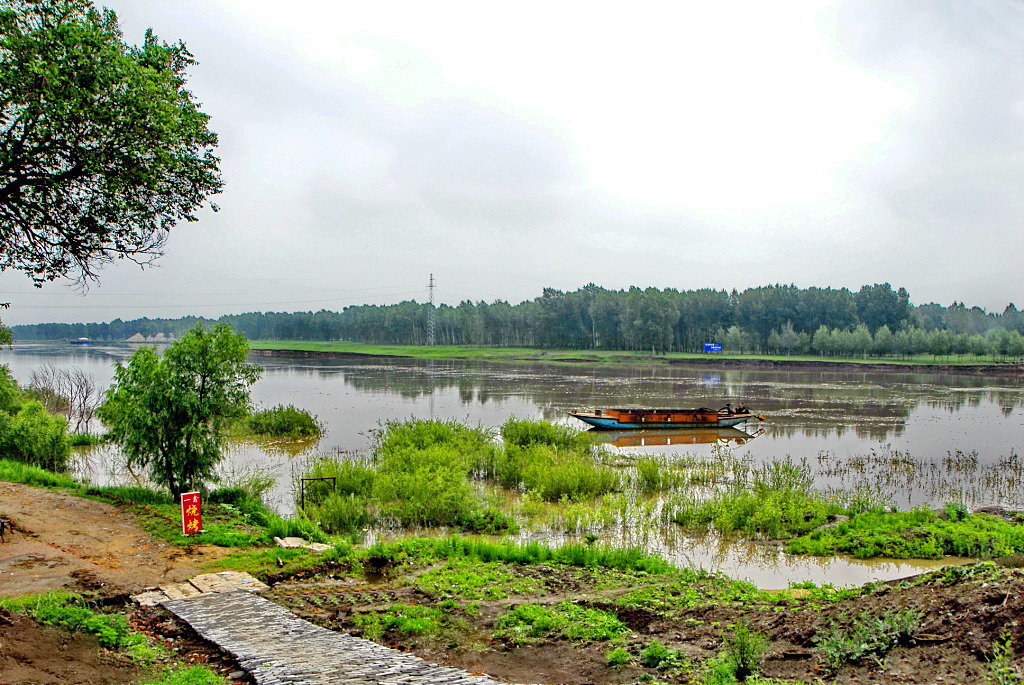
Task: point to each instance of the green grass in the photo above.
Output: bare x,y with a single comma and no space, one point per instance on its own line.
471,579
70,612
426,550
532,622
20,472
918,534
262,562
617,657
188,675
404,619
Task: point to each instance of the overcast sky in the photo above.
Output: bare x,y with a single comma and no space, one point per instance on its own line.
505,147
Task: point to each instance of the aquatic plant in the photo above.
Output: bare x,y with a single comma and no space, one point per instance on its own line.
284,421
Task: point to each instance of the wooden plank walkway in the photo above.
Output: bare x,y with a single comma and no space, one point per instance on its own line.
277,647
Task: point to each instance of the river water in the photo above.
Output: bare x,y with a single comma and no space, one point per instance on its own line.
962,433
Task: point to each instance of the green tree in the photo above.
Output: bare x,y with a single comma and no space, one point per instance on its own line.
168,413
102,148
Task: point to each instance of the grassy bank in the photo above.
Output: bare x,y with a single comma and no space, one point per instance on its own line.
498,354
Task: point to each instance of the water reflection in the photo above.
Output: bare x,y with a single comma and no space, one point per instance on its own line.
765,565
662,438
857,428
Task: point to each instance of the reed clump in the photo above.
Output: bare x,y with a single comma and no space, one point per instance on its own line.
774,500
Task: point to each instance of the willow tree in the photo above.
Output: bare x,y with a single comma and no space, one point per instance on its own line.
102,148
168,413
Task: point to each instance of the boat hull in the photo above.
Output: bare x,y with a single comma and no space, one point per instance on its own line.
613,423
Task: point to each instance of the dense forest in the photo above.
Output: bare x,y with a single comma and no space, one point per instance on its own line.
875,320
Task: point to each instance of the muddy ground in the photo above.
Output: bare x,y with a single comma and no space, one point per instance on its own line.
65,542
962,615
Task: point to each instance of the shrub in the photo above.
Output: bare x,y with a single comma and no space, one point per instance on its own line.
285,421
11,395
35,437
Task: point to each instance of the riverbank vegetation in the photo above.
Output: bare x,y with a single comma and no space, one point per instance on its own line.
876,321
587,611
538,476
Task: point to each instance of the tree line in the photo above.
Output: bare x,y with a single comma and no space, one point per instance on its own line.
875,320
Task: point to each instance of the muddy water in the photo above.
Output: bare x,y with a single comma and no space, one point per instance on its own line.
852,428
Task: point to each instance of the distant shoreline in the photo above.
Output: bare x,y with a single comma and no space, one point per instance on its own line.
529,355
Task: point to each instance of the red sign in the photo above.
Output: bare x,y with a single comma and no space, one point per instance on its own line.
191,513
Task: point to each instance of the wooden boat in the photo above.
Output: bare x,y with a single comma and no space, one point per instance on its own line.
703,417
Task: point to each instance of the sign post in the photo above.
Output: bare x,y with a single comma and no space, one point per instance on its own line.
191,513
712,347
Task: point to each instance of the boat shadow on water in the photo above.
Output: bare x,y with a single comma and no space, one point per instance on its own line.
682,436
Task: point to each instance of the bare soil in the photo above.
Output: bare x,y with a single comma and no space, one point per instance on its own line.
31,653
65,542
961,620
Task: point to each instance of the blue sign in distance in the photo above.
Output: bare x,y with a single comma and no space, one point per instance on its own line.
712,347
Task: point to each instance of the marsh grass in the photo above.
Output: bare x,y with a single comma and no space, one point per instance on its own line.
284,421
425,474
920,534
773,500
424,550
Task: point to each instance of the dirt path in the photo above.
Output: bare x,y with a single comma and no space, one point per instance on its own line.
63,541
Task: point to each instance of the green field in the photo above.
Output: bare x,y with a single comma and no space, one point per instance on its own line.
589,356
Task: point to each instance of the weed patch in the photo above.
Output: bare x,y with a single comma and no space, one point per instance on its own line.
867,636
918,534
468,579
531,622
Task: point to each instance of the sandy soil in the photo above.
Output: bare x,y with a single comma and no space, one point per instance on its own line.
63,541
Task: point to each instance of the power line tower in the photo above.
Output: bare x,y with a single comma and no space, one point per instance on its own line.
430,313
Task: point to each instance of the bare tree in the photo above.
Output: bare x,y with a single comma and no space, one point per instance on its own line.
71,392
